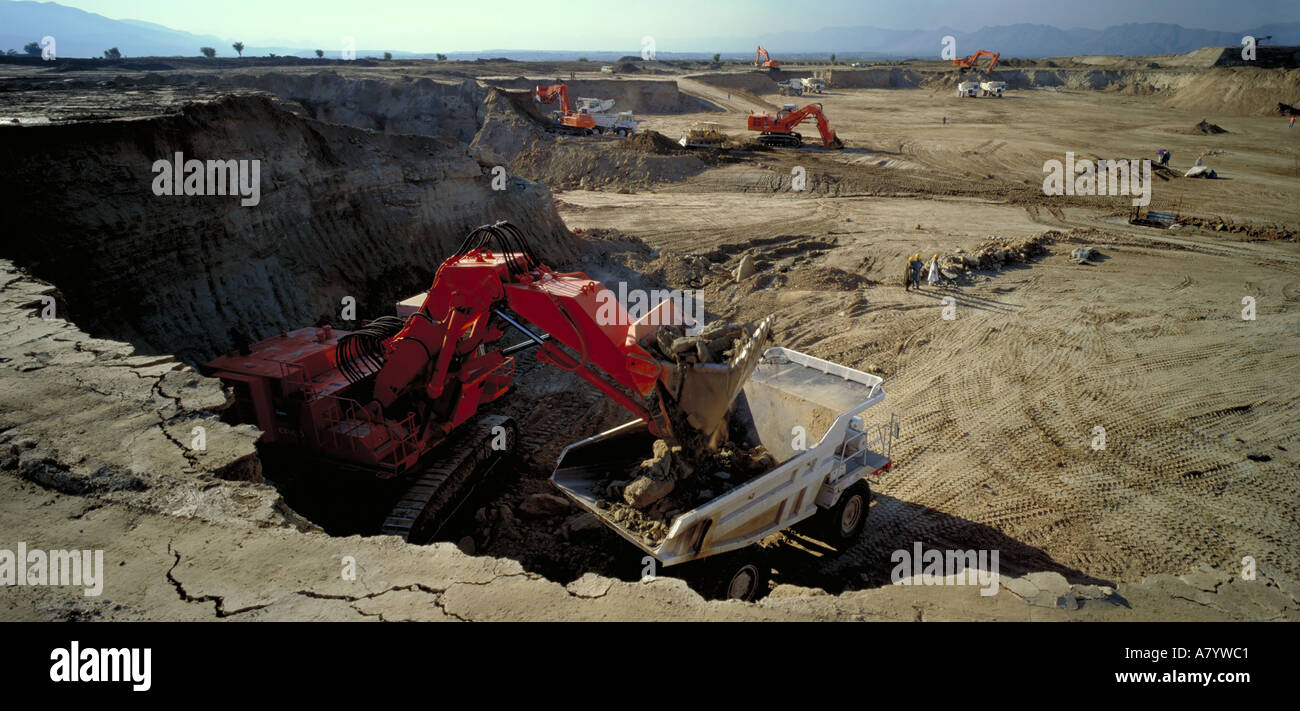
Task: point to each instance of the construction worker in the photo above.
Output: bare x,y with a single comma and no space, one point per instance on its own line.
916,269
907,276
934,270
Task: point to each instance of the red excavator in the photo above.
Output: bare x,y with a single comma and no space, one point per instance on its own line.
400,397
763,59
971,62
569,120
778,131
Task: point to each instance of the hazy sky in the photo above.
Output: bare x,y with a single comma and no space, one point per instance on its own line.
453,25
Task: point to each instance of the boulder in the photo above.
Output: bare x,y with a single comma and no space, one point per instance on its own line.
745,269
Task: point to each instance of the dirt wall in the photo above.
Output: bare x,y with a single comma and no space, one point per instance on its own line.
342,212
646,96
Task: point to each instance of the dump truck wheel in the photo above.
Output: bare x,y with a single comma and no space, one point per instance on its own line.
843,522
742,575
622,132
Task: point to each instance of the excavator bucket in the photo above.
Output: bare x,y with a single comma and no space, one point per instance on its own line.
703,392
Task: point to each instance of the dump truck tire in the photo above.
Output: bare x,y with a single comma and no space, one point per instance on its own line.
843,522
741,575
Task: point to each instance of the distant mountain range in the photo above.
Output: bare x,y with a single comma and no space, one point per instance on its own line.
79,33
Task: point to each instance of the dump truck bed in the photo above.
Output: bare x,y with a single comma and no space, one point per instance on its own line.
787,390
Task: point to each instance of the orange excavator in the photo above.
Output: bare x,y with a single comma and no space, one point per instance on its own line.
569,120
779,131
972,62
402,398
763,59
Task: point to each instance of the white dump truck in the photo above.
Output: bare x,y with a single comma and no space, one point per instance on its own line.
594,106
622,123
813,85
968,88
790,87
993,88
808,414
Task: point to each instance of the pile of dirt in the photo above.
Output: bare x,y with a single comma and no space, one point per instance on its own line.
824,279
1207,128
1236,91
994,254
591,162
671,482
1248,232
512,124
651,142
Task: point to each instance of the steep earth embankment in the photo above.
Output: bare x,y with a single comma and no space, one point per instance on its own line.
646,96
514,135
342,212
418,106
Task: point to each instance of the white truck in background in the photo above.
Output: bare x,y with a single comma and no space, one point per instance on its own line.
968,89
622,123
594,106
813,85
993,88
790,87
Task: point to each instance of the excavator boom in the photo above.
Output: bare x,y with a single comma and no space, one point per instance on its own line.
570,118
972,61
384,395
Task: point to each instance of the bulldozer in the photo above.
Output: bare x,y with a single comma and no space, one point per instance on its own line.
703,134
399,399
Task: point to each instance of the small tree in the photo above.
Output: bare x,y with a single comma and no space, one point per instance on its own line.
112,53
717,58
388,55
208,52
583,59
239,48
320,54
32,48
832,59
442,57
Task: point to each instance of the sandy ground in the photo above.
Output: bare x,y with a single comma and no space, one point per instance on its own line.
1000,404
